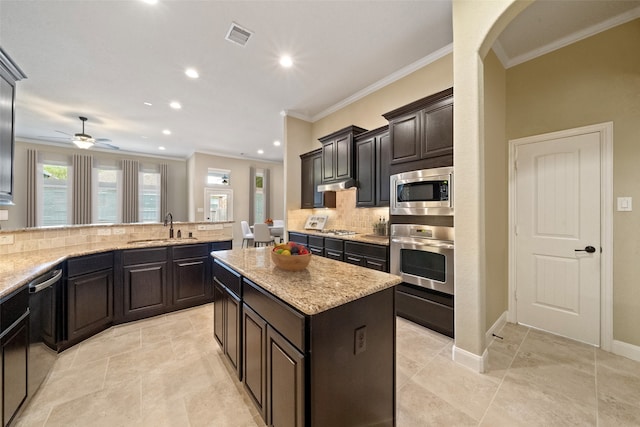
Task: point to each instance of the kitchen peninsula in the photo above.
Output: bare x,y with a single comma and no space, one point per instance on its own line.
313,347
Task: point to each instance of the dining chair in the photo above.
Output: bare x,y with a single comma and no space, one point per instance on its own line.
247,235
262,235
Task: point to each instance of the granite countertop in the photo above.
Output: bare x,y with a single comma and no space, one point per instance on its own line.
17,270
323,285
365,238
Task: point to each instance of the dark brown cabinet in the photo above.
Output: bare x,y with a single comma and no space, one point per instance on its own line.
227,313
254,357
14,342
421,133
373,152
89,293
301,238
337,154
10,73
367,255
285,382
316,245
191,275
311,173
144,277
334,248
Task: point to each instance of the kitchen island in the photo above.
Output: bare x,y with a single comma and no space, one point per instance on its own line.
314,347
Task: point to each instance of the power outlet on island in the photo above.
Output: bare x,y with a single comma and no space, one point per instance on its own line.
360,340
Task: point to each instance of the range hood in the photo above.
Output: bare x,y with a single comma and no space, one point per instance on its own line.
337,185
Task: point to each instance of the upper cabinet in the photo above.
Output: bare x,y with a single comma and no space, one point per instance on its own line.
372,153
422,133
311,176
10,73
337,154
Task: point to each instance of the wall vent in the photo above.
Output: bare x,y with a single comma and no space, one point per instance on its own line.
238,34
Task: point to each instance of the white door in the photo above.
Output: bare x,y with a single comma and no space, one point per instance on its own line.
557,229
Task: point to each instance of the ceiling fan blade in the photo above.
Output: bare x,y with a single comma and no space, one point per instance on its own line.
53,137
65,133
100,143
103,140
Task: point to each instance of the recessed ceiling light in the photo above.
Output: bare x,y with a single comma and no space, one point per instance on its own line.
150,1
148,104
175,105
161,148
276,143
166,132
191,72
261,151
286,61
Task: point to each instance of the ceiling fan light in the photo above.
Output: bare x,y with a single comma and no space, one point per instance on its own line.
83,140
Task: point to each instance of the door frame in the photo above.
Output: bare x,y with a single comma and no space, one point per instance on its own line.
606,222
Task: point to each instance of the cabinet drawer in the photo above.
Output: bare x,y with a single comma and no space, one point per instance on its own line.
376,264
144,256
284,319
299,238
316,241
13,307
375,251
222,246
316,250
190,251
89,264
333,254
334,244
227,277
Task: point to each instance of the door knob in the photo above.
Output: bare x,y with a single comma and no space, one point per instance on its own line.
588,249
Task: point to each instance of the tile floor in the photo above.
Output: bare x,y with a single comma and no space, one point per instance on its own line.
168,371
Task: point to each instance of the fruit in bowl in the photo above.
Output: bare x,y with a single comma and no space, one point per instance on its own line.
291,256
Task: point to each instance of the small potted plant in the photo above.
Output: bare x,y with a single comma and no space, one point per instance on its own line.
268,221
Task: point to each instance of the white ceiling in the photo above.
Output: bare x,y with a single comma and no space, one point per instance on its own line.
104,58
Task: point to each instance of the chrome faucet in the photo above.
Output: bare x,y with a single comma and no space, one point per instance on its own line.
170,217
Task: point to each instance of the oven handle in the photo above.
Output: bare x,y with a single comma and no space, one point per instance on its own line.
432,245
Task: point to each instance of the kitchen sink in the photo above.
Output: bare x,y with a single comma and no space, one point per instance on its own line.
174,240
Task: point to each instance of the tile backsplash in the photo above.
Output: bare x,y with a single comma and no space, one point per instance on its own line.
344,217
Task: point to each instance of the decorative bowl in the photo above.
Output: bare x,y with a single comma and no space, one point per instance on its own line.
291,262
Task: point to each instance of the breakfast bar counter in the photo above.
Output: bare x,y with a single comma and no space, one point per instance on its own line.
314,347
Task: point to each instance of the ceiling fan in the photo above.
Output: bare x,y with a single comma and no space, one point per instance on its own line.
86,141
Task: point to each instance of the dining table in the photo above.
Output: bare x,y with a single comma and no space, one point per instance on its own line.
275,231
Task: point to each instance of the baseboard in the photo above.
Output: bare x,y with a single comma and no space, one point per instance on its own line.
625,349
470,360
499,323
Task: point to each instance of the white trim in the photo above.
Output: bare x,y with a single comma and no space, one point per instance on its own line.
627,350
502,55
606,222
623,18
403,72
497,325
470,360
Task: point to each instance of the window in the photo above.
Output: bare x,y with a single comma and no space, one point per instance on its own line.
149,196
258,197
107,195
54,208
218,177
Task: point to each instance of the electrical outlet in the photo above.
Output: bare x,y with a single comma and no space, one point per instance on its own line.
104,232
118,231
6,239
214,227
360,340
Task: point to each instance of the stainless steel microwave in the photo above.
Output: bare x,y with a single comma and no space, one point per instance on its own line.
422,192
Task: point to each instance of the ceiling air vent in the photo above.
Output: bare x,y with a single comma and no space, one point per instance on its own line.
238,35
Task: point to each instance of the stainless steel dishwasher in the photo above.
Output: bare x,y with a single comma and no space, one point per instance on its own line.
44,323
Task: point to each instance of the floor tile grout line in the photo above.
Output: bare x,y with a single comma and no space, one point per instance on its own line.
503,377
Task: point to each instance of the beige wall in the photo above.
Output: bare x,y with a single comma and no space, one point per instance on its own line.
593,81
177,179
495,189
240,184
297,141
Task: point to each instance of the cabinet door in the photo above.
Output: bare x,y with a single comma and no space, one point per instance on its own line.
365,154
190,282
438,129
285,382
376,264
15,351
383,173
145,290
218,313
254,354
405,138
343,157
318,197
89,304
328,161
232,330
308,194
